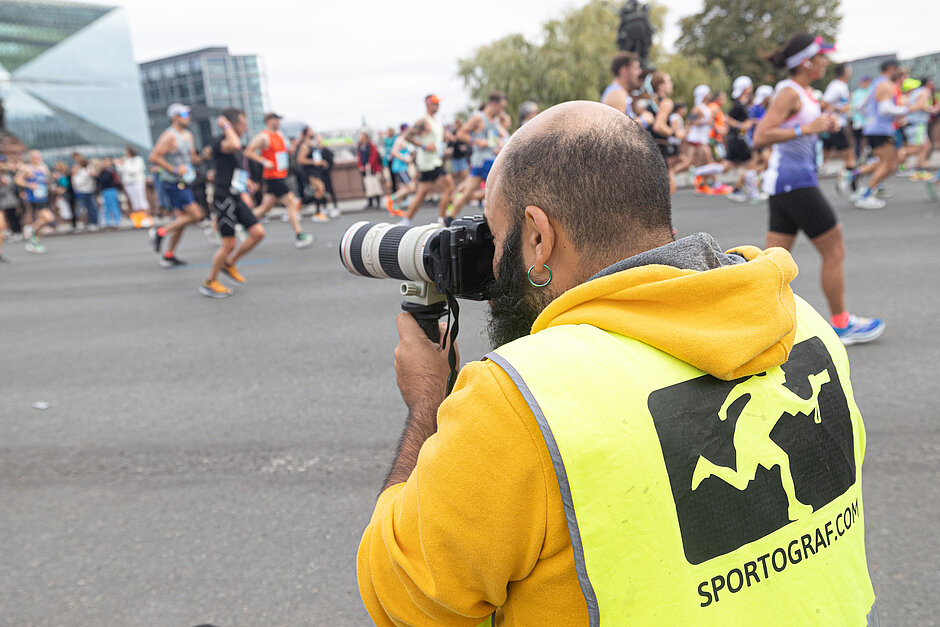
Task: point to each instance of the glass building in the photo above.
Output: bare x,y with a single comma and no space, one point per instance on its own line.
68,80
208,80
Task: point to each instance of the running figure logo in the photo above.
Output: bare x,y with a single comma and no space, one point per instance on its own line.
748,457
752,442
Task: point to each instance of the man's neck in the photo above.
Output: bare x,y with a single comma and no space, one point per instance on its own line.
179,127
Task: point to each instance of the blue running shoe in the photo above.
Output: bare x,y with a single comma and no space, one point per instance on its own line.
860,330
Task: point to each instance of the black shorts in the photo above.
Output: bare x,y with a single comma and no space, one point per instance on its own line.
738,150
875,141
231,210
667,150
803,209
836,140
431,175
278,187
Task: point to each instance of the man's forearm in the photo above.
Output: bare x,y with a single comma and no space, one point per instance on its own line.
421,424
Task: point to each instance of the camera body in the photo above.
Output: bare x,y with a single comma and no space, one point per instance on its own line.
461,258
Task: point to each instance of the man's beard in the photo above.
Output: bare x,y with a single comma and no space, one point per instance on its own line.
514,302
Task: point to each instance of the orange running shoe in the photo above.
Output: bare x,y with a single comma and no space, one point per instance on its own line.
232,273
214,289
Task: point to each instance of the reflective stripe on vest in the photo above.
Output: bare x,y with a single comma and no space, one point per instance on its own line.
692,500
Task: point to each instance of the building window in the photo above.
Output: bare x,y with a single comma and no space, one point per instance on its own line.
182,67
198,90
169,71
153,73
153,97
184,91
216,66
195,65
218,87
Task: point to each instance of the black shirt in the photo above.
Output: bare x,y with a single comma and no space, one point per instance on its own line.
225,166
107,179
738,112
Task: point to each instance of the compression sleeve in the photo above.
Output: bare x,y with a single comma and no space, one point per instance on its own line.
887,107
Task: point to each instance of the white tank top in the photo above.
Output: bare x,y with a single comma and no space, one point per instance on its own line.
698,132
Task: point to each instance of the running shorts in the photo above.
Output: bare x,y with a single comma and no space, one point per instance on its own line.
836,140
459,165
915,134
178,198
231,210
738,150
432,175
803,209
277,187
483,171
403,177
876,141
667,150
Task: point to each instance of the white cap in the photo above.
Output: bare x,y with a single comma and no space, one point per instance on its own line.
176,109
762,94
740,85
701,93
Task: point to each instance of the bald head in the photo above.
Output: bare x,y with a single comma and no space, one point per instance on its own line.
593,170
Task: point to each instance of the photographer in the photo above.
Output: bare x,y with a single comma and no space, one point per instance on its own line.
585,473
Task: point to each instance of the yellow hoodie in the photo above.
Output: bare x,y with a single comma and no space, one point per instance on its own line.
480,525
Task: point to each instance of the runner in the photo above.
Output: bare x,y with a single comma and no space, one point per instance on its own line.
34,178
402,156
626,71
486,136
837,99
459,154
269,148
739,151
920,95
662,130
882,110
428,135
175,153
230,203
791,125
322,168
308,178
704,166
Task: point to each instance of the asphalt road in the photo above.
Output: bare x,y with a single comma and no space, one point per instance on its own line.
208,461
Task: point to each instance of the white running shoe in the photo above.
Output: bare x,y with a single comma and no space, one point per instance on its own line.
869,202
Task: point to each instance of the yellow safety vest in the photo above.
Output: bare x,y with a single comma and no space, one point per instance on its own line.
696,501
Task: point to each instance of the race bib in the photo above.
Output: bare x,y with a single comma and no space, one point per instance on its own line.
281,160
189,175
239,181
41,192
317,155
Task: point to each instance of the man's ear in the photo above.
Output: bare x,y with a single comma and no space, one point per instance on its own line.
538,235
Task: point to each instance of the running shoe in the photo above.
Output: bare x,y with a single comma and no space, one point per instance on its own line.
737,196
703,190
405,221
881,192
33,246
155,239
303,240
921,175
28,232
869,202
844,182
212,237
722,190
334,213
214,289
232,273
860,330
171,261
320,217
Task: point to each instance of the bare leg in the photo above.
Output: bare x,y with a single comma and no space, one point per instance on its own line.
293,211
445,185
255,235
267,204
887,164
423,189
189,215
832,276
470,183
228,244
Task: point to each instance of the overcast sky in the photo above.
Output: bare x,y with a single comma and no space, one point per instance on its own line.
332,63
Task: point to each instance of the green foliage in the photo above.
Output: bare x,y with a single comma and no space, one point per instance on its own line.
572,62
689,72
741,32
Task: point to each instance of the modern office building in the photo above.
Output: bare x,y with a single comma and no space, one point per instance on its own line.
208,80
68,80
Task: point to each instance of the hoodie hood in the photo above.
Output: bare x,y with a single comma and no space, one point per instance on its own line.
731,315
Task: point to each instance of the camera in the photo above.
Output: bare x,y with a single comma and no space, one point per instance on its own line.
433,261
436,265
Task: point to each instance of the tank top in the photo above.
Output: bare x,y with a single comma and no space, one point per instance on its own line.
491,133
877,123
918,117
616,87
428,160
276,153
793,163
40,195
182,156
698,132
675,121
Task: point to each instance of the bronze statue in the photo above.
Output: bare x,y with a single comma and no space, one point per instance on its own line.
636,33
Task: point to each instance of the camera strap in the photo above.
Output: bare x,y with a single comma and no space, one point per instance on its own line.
453,310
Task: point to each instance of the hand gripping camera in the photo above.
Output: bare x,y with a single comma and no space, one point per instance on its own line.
436,265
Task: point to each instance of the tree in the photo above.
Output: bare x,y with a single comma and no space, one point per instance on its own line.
571,63
741,32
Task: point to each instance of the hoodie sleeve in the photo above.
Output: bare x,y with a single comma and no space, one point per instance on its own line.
443,547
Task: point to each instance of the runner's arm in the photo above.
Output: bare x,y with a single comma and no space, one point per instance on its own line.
661,123
163,146
785,105
253,150
470,126
616,99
